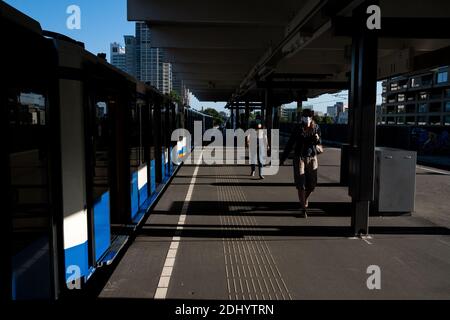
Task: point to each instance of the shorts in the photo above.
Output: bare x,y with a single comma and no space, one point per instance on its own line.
305,173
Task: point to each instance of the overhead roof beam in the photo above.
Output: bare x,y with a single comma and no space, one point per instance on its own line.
405,28
234,56
432,59
208,68
299,76
339,85
216,37
200,12
298,35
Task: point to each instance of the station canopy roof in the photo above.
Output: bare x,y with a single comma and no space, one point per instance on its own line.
227,50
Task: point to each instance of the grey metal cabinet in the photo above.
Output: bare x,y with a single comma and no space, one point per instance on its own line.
395,182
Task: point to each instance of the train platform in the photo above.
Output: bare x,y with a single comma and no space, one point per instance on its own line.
218,233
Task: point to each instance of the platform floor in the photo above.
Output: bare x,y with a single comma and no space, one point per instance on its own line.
243,238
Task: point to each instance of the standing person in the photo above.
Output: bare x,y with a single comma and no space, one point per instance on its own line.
306,137
261,147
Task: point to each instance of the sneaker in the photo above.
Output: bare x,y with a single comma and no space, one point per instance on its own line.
253,173
307,204
261,176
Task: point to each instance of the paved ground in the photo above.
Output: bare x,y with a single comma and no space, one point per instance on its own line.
242,238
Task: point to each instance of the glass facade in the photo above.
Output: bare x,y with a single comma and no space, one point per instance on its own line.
424,98
151,61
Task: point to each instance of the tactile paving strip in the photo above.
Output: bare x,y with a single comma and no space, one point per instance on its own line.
251,270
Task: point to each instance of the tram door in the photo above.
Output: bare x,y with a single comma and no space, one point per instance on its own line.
149,139
29,169
173,144
140,166
157,130
99,172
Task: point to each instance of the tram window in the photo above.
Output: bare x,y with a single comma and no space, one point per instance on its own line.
153,133
29,109
29,193
135,129
102,137
163,128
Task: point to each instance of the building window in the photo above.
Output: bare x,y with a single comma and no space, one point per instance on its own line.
442,77
447,106
390,120
411,108
411,120
427,80
401,120
401,109
435,107
422,120
415,82
435,120
401,97
423,108
423,96
447,120
391,109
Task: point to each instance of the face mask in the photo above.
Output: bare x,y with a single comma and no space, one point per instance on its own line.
306,120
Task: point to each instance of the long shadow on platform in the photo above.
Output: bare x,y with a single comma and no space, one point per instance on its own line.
241,231
257,183
254,208
222,176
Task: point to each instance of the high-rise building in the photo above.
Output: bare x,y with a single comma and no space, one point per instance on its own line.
150,60
331,111
118,57
421,98
124,58
147,63
130,55
180,88
288,114
166,86
339,107
338,112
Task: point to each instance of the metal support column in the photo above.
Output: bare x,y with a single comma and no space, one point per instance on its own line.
247,114
232,116
269,113
237,116
298,115
362,124
276,117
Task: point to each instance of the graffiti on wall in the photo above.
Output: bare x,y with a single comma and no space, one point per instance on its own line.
427,141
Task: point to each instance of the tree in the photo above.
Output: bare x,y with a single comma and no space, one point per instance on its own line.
217,117
323,120
175,97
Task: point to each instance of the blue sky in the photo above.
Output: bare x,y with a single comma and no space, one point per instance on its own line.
104,22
